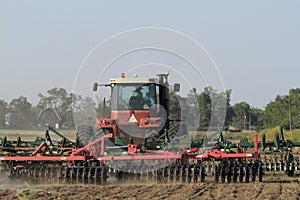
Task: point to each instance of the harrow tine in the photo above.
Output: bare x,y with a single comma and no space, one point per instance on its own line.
175,174
40,174
170,174
103,175
260,172
90,171
78,169
181,174
202,173
59,174
223,173
247,170
35,175
71,175
96,176
186,174
216,173
235,173
83,175
241,173
163,174
229,173
253,172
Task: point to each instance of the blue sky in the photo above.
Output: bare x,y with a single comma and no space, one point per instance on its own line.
255,44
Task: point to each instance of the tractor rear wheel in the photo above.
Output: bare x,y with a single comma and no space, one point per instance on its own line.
85,133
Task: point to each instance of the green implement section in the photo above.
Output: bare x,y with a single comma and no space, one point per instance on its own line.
58,134
25,148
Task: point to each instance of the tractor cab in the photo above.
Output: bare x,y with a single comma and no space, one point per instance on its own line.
133,94
139,109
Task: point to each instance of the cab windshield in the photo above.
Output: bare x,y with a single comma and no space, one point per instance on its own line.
133,96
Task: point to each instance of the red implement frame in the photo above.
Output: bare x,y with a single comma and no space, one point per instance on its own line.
93,151
96,151
218,154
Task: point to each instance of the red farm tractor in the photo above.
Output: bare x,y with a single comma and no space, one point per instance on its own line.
139,113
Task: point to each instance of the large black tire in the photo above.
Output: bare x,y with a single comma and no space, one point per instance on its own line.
85,133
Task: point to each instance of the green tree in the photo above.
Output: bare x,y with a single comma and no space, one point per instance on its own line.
174,106
103,109
219,109
84,110
241,115
204,102
59,99
3,111
293,104
257,118
192,110
277,112
229,109
21,108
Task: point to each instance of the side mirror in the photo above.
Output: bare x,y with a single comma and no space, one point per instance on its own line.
95,87
176,87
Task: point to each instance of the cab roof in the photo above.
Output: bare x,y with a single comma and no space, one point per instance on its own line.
133,80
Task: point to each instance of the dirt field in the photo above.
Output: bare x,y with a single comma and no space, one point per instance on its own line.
159,191
273,187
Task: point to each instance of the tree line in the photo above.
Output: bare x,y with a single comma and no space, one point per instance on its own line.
283,110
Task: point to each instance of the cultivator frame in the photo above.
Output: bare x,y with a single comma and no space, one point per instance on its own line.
67,162
90,164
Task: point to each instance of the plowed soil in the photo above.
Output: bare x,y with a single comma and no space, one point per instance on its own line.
275,186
